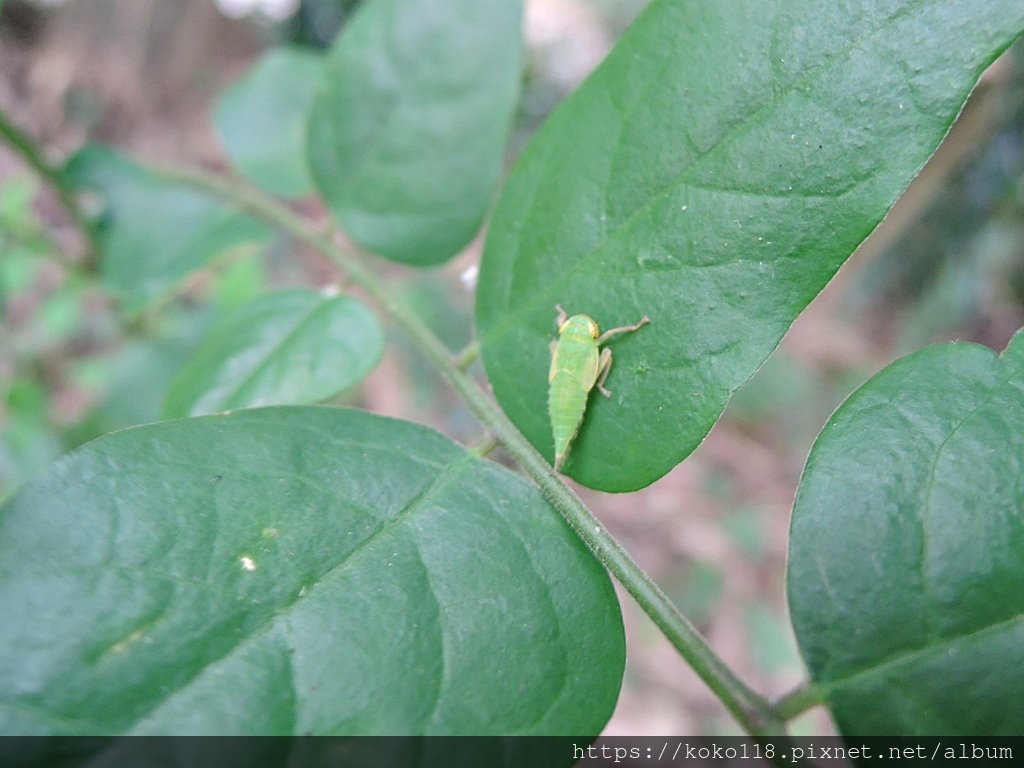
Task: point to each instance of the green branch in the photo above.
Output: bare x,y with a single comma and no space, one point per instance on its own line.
468,356
797,701
752,711
32,155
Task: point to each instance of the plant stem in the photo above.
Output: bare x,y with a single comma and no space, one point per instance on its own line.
751,710
484,447
468,356
797,701
30,153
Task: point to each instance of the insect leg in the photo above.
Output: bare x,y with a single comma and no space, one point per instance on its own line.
604,367
562,315
612,332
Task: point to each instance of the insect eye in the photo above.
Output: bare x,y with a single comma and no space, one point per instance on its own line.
594,330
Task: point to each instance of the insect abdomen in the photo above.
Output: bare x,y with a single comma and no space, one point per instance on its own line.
567,401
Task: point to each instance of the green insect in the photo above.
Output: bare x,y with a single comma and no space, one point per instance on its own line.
577,364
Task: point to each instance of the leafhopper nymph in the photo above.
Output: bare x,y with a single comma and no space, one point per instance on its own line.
578,364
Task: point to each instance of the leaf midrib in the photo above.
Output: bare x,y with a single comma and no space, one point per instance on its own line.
922,653
511,317
443,478
924,510
277,348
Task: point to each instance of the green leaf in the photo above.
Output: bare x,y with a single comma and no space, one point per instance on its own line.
153,233
262,120
297,570
407,138
141,372
290,347
238,283
28,440
713,173
906,561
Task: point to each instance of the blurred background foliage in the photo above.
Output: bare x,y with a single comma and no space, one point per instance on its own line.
143,75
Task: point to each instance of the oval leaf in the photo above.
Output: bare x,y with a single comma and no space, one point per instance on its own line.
906,562
297,570
153,233
713,174
407,138
140,374
290,347
262,120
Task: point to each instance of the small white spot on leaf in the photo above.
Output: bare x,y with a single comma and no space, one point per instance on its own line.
469,275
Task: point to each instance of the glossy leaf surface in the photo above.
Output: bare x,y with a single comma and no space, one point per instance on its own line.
407,137
713,173
297,570
286,348
906,562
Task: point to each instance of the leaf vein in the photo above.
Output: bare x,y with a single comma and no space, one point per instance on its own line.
446,475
